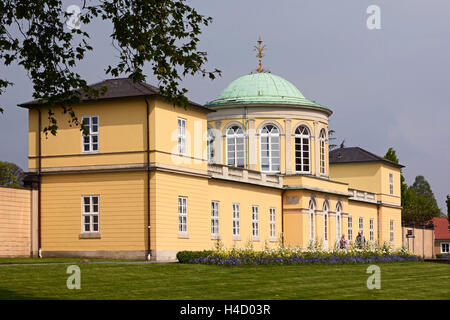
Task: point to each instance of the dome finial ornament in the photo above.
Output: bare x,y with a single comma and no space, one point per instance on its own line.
259,49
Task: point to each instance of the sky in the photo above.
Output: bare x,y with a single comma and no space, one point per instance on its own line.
387,87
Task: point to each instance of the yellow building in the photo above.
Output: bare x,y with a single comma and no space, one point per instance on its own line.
253,165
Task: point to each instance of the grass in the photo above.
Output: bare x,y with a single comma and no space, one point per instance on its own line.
403,280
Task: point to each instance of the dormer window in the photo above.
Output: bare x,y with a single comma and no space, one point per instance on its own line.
90,141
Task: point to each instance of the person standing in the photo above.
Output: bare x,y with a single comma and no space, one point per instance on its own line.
343,242
360,240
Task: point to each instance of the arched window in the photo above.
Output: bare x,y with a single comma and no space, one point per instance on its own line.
325,225
302,150
338,221
322,151
311,221
210,145
270,148
235,147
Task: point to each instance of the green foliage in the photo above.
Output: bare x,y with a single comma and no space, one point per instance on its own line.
11,175
162,33
420,204
283,255
448,209
188,256
391,155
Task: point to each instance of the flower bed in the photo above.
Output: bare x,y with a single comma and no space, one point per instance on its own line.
278,256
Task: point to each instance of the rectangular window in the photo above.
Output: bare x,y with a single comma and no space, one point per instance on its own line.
181,136
255,223
302,154
182,214
445,247
361,225
214,218
391,183
90,141
371,229
272,222
350,229
391,227
322,156
210,145
236,229
90,213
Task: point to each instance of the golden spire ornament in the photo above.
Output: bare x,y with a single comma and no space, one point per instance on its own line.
259,49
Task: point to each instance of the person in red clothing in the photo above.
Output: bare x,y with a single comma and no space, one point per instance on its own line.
343,242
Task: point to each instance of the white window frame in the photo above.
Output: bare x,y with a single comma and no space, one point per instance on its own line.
236,222
391,231
255,222
391,183
312,222
215,218
445,244
361,225
326,224
235,137
371,231
181,136
182,215
93,135
91,213
210,139
322,160
350,228
338,221
271,149
272,223
299,134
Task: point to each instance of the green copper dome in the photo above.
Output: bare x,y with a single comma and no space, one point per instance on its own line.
261,88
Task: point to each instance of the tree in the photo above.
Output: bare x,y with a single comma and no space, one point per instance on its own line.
164,33
391,155
448,209
421,204
11,175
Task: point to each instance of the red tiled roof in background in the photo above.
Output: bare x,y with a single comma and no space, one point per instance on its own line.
441,230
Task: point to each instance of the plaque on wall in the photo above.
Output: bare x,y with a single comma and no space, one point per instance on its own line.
292,199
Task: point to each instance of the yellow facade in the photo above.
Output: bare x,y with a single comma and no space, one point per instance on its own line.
137,176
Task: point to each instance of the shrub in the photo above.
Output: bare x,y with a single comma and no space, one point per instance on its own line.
190,256
369,253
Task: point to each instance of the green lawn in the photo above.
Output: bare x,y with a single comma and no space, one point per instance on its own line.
405,280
